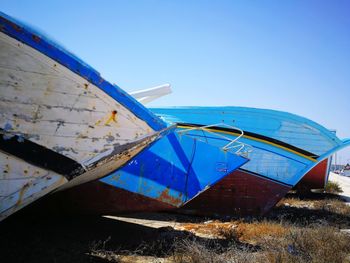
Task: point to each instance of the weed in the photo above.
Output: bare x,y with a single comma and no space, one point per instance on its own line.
333,206
254,231
193,251
333,188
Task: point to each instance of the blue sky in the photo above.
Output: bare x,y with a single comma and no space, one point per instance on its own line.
285,55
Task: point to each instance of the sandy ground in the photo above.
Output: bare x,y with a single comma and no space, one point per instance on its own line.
29,237
344,183
167,221
147,220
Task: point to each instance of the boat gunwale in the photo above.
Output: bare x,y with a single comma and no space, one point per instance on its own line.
229,109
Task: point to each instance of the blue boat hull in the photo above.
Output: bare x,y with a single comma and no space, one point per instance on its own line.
284,148
167,175
175,169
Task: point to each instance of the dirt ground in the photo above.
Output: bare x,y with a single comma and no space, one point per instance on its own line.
153,237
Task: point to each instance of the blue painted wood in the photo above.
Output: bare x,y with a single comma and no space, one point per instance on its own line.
43,44
175,169
266,159
343,144
290,128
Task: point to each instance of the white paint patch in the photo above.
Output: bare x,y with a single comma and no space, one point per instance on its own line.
56,108
46,103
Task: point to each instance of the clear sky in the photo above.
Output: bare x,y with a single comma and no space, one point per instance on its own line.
285,55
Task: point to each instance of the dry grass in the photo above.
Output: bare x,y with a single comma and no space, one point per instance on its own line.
213,228
333,188
322,244
298,230
195,252
275,243
315,209
295,202
317,239
304,230
236,230
334,206
253,232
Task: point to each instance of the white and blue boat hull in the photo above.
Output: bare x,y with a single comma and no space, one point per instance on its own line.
61,123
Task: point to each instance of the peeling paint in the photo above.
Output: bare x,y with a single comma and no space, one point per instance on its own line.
23,117
8,127
59,124
33,137
61,149
82,136
109,138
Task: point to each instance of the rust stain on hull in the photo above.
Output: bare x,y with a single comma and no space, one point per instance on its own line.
21,194
167,198
112,118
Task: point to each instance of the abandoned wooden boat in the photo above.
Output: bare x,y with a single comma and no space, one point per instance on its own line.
285,147
171,172
61,123
316,178
168,174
